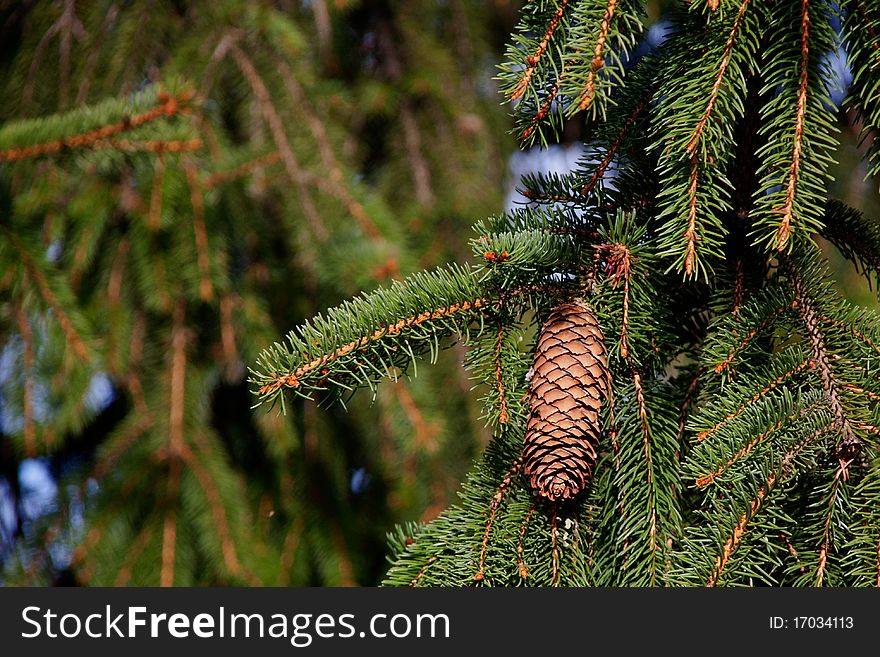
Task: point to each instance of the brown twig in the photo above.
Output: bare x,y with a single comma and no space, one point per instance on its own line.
276,127
167,106
821,358
589,92
719,78
76,343
29,429
787,210
218,512
618,142
723,365
197,200
533,59
292,379
783,377
542,112
690,235
499,379
497,499
739,530
134,552
792,551
242,170
520,560
175,441
422,570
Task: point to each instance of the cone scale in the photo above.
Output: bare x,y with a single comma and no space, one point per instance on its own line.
570,382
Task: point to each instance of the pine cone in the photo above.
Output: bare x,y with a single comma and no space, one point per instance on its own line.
570,381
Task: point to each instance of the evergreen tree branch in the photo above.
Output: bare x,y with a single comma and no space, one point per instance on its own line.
244,169
821,359
598,61
793,188
197,201
24,331
787,210
138,546
534,59
218,512
453,298
228,45
177,376
153,105
724,63
497,499
856,236
772,385
39,279
739,529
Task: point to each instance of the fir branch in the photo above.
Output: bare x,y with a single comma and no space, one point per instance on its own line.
422,571
497,499
169,526
218,512
740,529
228,44
155,146
138,546
538,117
649,467
454,299
821,358
700,128
292,379
114,282
499,381
826,542
197,202
26,335
521,567
166,106
424,433
598,61
154,214
748,337
615,146
177,377
787,210
331,164
35,275
218,178
772,385
534,59
793,188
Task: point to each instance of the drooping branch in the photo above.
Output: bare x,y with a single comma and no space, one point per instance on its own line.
697,134
197,201
821,359
783,232
534,59
497,499
24,331
598,61
739,530
73,338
